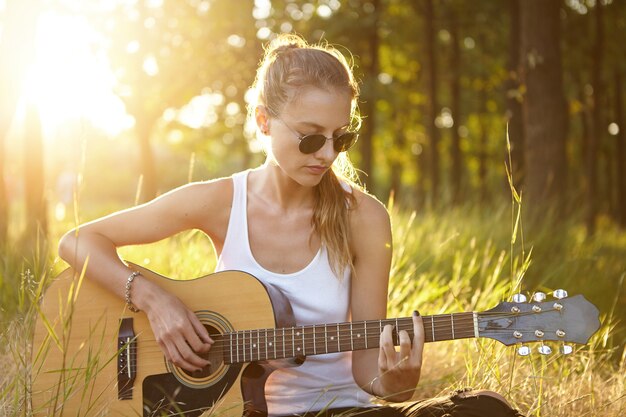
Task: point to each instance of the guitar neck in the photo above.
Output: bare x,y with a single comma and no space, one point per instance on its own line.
265,344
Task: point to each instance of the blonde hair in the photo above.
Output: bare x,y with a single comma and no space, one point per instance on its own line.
289,64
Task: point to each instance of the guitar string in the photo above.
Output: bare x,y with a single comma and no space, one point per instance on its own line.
309,346
308,331
260,353
224,355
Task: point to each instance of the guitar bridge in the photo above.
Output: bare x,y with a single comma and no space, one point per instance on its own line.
126,359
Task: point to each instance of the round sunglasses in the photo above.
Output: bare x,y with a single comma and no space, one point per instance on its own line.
313,143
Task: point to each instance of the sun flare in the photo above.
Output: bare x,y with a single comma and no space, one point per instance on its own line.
70,80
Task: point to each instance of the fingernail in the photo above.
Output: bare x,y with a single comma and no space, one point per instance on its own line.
416,313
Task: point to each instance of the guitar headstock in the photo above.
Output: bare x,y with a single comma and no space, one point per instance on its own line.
564,319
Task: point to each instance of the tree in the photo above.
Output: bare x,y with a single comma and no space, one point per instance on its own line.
371,70
433,102
165,54
595,137
455,103
545,117
513,96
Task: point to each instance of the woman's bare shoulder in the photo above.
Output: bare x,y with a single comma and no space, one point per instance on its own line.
368,208
208,203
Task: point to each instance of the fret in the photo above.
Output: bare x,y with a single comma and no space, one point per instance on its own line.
365,330
351,338
249,344
475,317
397,333
293,343
284,354
452,324
258,345
325,338
432,326
338,339
303,342
230,342
314,346
273,343
237,344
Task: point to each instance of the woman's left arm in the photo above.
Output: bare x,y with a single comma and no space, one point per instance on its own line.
383,372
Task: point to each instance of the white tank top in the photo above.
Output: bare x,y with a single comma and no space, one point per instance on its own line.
317,296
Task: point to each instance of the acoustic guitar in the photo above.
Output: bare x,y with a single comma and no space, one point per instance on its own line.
93,357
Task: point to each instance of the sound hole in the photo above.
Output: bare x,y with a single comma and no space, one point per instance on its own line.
214,355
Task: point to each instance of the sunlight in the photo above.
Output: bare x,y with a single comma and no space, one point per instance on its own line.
69,81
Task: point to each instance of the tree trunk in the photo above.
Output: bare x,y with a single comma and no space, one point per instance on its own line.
395,160
433,105
371,68
16,49
545,111
513,97
596,129
483,155
455,107
33,163
620,155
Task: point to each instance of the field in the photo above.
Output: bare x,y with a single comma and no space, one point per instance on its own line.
465,259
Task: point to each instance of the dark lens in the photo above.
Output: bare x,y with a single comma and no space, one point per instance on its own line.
312,143
345,141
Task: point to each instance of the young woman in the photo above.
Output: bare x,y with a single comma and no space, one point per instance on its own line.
298,223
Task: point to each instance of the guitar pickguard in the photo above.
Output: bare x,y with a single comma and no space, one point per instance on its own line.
164,394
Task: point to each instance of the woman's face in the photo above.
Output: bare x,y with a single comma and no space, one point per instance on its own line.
314,111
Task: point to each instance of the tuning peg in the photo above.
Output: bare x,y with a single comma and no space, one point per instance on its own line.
545,349
519,298
566,349
560,293
539,296
523,350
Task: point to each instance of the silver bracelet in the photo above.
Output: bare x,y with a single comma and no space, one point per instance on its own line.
129,282
372,386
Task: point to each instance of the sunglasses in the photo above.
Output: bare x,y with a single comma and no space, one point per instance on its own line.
313,143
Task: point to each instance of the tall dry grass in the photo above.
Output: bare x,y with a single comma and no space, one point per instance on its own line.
464,259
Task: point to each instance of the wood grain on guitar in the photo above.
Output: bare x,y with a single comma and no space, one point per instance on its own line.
92,357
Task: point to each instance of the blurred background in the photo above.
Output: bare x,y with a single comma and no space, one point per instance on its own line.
470,106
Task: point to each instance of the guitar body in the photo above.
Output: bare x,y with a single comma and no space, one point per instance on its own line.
93,357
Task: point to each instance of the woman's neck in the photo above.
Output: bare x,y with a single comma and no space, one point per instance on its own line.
270,183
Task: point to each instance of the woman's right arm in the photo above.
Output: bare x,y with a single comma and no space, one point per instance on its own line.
93,246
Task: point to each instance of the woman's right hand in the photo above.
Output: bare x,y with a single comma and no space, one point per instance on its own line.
177,330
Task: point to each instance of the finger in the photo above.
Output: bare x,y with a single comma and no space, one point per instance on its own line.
200,330
193,336
387,347
189,357
193,340
418,337
172,355
405,347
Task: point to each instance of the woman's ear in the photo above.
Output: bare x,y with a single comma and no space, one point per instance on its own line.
262,119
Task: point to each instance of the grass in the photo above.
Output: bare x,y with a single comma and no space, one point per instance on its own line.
459,260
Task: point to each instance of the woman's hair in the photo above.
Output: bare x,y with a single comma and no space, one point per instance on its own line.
289,64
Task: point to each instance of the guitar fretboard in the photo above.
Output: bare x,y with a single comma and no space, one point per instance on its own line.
264,344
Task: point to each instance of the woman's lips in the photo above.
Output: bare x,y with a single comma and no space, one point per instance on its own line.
317,169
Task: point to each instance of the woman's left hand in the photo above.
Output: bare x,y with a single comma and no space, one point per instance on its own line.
399,372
